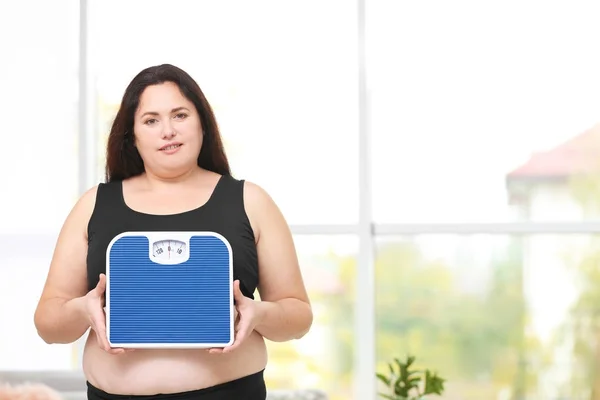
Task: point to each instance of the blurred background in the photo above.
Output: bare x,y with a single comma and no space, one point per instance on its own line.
438,163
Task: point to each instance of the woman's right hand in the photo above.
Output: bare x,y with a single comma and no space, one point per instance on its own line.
94,309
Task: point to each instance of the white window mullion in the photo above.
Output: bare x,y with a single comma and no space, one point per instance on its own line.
500,228
364,301
87,142
338,229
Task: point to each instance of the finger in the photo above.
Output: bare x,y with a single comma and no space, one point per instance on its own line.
240,335
102,340
215,350
115,351
238,296
237,293
100,329
102,343
234,346
111,350
101,286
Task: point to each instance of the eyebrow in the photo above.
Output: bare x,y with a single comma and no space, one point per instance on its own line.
176,109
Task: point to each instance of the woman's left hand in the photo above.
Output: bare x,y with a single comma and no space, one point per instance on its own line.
246,318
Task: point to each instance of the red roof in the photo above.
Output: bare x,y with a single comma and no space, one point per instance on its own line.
578,155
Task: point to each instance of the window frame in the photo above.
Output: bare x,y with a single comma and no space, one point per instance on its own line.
366,229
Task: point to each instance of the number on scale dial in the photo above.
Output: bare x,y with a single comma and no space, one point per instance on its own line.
169,249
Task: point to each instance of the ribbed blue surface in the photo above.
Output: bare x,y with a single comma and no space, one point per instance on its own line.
156,303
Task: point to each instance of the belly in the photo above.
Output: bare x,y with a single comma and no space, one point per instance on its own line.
146,372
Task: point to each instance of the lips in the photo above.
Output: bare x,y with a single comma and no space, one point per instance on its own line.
170,146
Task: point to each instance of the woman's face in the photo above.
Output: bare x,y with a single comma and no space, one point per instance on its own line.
167,130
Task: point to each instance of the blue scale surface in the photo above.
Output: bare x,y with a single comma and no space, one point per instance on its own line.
156,305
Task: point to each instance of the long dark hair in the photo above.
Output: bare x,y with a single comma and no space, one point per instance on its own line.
122,158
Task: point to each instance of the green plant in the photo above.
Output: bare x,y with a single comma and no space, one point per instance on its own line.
406,383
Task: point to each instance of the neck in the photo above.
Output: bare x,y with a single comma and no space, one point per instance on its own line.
158,182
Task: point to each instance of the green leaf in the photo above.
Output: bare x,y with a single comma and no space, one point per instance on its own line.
405,382
384,379
433,383
403,369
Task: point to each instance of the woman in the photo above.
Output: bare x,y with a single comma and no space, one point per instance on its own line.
166,170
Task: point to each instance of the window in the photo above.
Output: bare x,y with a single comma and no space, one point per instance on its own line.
286,101
285,96
22,276
324,358
39,102
39,85
493,314
462,107
470,122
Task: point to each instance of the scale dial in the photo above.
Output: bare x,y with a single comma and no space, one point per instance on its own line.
169,250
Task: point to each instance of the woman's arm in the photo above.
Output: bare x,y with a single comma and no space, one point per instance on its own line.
284,312
60,316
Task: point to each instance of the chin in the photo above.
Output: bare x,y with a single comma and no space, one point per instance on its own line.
176,169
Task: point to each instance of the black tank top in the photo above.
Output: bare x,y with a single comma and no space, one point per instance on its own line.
223,213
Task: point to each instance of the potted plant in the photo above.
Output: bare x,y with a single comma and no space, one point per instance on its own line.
406,383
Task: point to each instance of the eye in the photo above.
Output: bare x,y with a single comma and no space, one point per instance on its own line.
150,121
181,116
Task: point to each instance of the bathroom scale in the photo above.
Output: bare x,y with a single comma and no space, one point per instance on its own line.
169,290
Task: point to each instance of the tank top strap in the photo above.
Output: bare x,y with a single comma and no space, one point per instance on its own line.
109,199
229,193
108,207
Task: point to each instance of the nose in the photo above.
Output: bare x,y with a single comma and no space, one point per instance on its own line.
168,131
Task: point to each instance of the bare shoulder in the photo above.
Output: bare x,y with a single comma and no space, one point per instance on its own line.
77,220
88,198
84,207
279,271
256,197
67,276
79,217
261,208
